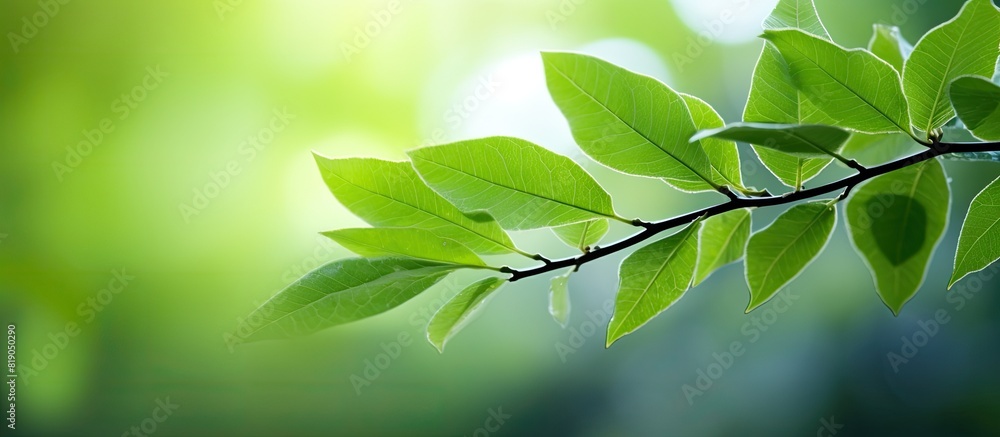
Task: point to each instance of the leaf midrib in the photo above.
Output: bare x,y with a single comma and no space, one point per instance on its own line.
445,219
643,135
781,254
581,208
827,73
729,239
659,271
433,270
947,70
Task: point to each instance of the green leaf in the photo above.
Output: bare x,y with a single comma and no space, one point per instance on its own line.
878,149
796,14
854,87
889,45
966,45
723,240
391,194
343,291
723,155
653,278
800,141
790,170
523,185
404,242
627,121
778,253
895,221
459,311
559,298
774,98
979,242
977,101
582,235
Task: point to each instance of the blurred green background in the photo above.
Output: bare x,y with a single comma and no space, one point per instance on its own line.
201,187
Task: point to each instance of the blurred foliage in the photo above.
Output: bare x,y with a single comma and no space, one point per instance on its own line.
247,91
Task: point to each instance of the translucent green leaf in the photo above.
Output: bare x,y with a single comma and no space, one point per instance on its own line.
653,278
459,311
723,240
627,121
778,253
966,45
391,194
559,298
890,46
523,185
979,242
343,291
878,149
723,155
895,221
854,87
404,242
774,98
796,14
582,235
977,101
800,141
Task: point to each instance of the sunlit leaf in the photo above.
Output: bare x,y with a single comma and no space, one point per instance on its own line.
979,243
854,87
895,222
977,102
582,235
343,291
522,185
777,254
459,311
889,45
966,45
391,194
723,240
723,155
404,242
774,98
559,298
878,149
653,278
800,141
627,121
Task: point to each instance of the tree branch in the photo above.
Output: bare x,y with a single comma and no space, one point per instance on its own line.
651,229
